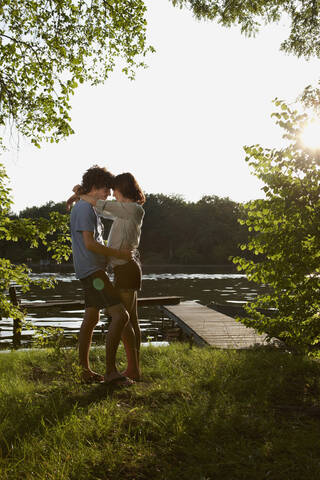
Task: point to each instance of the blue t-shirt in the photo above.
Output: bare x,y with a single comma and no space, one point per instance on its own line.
84,218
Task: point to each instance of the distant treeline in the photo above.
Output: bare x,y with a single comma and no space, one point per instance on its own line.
174,231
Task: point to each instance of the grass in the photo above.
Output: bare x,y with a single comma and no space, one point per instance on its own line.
200,414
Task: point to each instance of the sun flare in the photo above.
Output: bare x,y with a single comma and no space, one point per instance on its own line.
310,135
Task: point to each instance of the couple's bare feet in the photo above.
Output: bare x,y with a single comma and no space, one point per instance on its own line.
115,378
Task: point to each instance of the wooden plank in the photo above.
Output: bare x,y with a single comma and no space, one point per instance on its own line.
238,310
79,304
209,327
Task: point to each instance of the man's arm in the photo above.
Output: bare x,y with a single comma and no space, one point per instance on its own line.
96,247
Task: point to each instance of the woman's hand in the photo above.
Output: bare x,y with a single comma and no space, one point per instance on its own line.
76,189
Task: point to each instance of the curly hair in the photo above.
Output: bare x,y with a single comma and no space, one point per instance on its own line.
97,177
128,186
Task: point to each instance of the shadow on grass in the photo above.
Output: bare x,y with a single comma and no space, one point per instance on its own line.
235,415
254,414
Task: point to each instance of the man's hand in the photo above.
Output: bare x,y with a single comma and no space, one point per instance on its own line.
92,245
125,254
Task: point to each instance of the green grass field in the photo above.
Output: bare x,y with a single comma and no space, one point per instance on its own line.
199,414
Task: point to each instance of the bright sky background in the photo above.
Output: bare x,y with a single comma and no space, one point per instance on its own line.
181,125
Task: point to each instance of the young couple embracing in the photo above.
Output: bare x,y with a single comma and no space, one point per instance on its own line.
91,257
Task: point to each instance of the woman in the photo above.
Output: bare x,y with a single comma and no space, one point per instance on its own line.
127,215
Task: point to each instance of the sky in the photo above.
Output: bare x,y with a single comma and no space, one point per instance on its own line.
180,127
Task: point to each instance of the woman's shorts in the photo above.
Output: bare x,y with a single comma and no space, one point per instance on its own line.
128,276
99,291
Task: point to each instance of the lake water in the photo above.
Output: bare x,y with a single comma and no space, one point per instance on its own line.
199,284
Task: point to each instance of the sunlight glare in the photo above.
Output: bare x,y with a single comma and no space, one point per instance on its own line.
310,135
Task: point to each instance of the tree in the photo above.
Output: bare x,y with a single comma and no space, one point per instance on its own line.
218,232
34,232
47,49
44,210
249,15
284,232
176,231
160,233
284,236
19,251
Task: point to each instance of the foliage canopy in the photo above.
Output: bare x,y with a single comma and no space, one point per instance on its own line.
304,15
47,48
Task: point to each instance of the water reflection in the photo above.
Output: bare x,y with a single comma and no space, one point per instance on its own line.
223,288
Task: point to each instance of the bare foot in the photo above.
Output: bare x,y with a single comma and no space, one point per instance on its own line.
135,376
116,378
89,376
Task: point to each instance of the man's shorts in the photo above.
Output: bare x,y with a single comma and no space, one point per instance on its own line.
128,276
99,291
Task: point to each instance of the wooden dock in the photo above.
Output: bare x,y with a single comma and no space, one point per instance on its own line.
204,325
209,327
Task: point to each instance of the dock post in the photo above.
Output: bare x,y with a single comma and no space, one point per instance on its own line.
16,321
162,317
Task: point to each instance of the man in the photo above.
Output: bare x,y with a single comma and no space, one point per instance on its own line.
90,261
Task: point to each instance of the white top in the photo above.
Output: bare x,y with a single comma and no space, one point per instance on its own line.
126,228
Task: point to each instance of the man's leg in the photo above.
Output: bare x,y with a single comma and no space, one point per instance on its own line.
128,337
119,317
91,318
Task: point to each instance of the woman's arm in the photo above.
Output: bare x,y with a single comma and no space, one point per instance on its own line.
88,198
112,208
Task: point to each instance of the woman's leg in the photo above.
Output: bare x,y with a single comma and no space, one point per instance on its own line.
130,341
119,318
